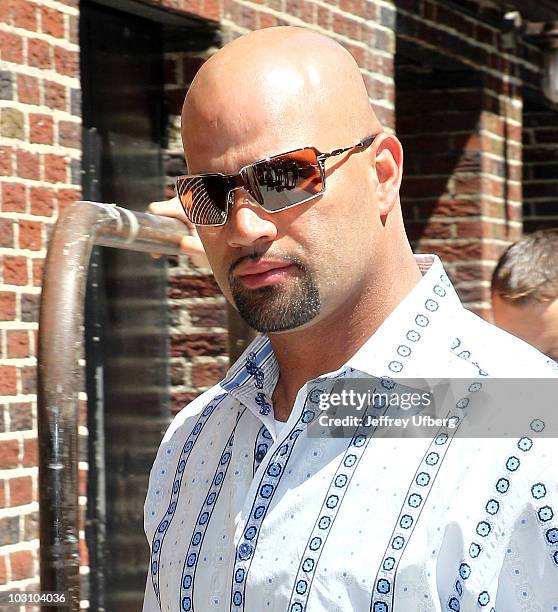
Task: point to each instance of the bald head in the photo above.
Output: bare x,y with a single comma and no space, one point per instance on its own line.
270,91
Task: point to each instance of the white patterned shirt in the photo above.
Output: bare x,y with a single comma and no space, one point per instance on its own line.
242,519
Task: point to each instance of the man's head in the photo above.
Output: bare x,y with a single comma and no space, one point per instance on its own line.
273,91
525,291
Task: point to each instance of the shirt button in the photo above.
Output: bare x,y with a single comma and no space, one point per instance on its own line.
244,550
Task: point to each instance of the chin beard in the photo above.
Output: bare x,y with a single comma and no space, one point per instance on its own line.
279,307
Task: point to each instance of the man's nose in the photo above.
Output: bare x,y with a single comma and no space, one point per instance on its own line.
249,224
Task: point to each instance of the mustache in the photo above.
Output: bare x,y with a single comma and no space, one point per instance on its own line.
291,259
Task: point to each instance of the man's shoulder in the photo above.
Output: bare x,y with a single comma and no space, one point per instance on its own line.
186,434
192,411
500,353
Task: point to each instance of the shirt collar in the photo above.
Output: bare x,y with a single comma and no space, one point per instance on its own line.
424,315
425,311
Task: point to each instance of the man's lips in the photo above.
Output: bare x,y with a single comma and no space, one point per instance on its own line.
254,275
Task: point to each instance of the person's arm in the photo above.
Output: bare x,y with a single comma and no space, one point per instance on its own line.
191,244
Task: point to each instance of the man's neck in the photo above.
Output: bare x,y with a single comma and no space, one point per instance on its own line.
328,344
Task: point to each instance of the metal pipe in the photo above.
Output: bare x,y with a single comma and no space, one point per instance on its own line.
61,345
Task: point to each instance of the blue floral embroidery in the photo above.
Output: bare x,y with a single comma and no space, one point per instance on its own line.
492,507
162,528
423,480
328,513
204,516
255,370
262,445
265,406
267,487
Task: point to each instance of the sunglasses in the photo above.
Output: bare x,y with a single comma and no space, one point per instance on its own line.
275,183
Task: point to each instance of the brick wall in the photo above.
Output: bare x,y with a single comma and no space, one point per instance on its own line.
540,167
39,175
198,322
473,128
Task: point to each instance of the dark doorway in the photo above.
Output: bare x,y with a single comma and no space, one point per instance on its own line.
126,329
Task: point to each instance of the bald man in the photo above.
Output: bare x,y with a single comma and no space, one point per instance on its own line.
254,503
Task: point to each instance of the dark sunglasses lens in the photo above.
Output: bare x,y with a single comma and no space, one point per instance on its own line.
285,180
204,198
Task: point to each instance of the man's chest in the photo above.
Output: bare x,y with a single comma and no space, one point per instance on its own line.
310,523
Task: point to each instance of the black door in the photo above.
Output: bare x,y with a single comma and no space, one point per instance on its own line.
126,329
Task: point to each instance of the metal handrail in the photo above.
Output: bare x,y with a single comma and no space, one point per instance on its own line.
61,345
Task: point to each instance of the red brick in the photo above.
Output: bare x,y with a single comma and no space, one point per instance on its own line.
450,251
42,201
83,552
15,270
18,343
11,47
38,53
30,453
55,96
52,22
13,197
30,235
28,165
28,380
82,482
38,265
41,129
9,449
430,229
470,229
6,167
55,169
213,9
208,315
207,374
179,400
3,573
7,306
6,233
82,518
66,62
195,345
267,20
467,184
515,192
21,416
25,15
28,90
456,208
82,412
22,564
21,490
69,134
184,286
67,197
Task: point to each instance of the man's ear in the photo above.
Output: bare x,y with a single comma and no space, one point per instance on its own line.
389,170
